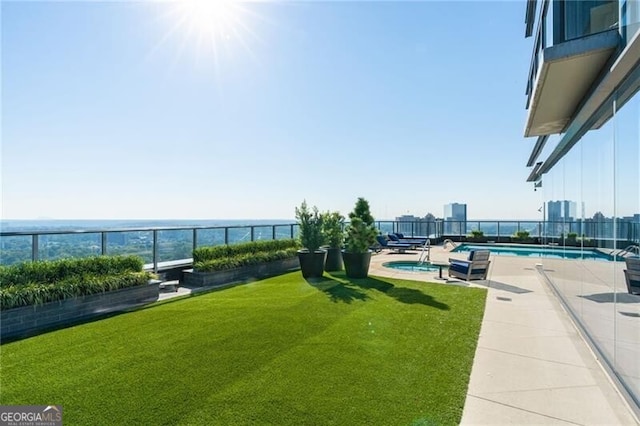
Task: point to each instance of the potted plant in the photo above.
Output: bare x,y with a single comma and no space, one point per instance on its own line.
311,257
332,223
521,237
477,236
360,236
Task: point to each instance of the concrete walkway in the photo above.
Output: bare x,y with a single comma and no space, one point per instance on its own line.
531,364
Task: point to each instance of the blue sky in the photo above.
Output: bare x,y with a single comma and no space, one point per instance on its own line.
141,111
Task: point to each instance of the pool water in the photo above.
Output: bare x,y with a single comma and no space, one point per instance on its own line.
538,251
410,265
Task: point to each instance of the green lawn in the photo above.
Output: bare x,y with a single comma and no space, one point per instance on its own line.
280,351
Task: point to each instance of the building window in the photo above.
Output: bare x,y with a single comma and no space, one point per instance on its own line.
583,18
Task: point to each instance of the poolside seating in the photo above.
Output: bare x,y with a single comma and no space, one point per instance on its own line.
475,267
632,275
392,245
400,238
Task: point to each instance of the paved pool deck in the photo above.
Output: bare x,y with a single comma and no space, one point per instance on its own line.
531,366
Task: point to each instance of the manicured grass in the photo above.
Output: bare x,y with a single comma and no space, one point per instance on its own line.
280,351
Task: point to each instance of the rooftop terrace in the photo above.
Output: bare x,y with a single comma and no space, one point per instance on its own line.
533,365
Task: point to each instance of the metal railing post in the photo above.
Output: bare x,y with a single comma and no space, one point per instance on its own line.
252,233
34,247
226,235
103,243
195,239
155,250
273,232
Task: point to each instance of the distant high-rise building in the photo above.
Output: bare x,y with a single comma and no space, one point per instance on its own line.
559,214
455,218
406,223
416,226
561,211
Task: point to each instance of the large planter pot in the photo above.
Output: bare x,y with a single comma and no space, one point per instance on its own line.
356,265
334,260
312,263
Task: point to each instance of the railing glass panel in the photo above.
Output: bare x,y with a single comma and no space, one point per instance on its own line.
489,228
138,243
209,237
52,247
283,232
174,244
239,235
15,249
262,233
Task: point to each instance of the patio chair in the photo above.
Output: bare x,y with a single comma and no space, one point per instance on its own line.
632,275
392,245
475,267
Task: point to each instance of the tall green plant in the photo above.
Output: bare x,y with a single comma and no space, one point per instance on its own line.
476,233
332,224
361,232
310,223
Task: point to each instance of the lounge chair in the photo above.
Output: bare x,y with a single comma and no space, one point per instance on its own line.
400,238
475,267
392,245
632,275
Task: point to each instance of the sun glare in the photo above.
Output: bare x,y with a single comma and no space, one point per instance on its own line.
212,18
210,28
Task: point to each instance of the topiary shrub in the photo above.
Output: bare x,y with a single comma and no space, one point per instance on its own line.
361,231
332,229
310,224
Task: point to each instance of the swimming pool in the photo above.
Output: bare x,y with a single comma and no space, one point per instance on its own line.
558,252
410,265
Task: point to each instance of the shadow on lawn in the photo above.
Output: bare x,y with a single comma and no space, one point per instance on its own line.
343,289
401,294
337,290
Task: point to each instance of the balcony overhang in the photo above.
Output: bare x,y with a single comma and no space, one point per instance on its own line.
567,72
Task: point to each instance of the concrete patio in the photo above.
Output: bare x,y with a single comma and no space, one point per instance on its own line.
531,366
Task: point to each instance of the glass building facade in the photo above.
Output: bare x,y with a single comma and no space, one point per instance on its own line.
455,219
600,172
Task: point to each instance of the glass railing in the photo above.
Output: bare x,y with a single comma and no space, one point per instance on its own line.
159,245
153,245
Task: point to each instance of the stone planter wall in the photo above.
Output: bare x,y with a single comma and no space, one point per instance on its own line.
29,320
207,279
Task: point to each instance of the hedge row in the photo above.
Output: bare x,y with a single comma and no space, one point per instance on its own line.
58,270
204,254
39,293
33,283
221,258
